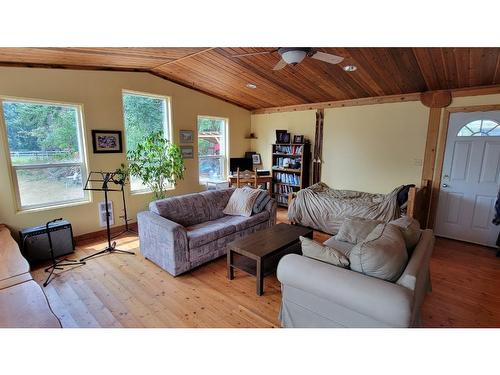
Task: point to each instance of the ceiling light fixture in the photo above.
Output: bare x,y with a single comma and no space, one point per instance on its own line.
293,56
350,68
251,85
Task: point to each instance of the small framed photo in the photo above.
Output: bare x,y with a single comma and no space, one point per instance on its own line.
256,159
187,152
107,141
186,136
298,139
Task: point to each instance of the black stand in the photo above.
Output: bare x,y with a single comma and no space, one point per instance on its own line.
57,264
105,179
124,217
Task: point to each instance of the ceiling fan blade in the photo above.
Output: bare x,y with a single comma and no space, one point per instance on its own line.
327,57
253,53
280,65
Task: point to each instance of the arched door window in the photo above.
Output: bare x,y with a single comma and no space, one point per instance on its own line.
480,128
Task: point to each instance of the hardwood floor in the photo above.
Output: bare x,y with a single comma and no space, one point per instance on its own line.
130,291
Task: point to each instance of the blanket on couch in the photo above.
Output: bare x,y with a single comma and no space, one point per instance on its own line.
322,208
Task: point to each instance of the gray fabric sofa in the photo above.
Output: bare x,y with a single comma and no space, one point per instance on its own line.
317,294
183,232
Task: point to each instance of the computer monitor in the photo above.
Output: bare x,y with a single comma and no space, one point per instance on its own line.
241,163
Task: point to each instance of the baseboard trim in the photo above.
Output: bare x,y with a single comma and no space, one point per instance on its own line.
102,233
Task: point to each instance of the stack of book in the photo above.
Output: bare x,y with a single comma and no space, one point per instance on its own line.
287,178
282,199
291,150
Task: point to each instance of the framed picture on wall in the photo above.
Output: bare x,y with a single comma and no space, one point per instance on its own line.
256,159
187,152
282,136
107,141
186,136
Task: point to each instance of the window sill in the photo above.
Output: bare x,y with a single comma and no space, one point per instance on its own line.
53,207
142,192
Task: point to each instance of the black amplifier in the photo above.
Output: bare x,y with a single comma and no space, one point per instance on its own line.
35,242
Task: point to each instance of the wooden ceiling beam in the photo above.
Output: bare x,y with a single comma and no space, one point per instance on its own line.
416,96
342,103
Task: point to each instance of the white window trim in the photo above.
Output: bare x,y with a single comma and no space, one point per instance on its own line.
167,126
226,147
14,168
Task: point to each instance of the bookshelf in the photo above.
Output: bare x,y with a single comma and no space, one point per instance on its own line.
291,165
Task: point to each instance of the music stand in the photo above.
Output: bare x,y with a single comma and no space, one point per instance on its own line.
57,264
125,216
105,178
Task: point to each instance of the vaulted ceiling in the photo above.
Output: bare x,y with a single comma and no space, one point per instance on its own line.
380,71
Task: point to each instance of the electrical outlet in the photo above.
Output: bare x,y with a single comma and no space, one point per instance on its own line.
418,162
102,213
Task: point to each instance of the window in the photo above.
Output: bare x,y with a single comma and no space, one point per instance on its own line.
212,148
46,152
143,114
480,128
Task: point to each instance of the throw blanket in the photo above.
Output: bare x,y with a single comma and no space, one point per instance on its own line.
322,208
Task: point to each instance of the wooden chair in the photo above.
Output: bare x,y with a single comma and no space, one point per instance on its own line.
248,178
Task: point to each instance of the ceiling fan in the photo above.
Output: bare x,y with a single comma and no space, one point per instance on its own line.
295,55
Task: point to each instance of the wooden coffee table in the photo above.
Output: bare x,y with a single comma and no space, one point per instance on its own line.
259,253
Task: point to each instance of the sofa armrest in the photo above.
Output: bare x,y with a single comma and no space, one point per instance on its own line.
381,300
163,241
271,207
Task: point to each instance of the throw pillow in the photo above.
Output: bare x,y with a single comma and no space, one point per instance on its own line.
410,228
355,229
262,200
382,254
241,202
315,250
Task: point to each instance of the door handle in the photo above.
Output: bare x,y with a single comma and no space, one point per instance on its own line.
445,185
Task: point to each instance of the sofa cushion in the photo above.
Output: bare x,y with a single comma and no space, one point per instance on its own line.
315,250
186,210
244,222
410,228
241,202
344,247
203,233
355,229
382,254
216,201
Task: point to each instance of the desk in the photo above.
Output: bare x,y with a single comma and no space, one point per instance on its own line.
267,180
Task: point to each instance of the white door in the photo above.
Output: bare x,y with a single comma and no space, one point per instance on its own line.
470,178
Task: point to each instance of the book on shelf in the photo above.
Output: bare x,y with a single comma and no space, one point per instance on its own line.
291,150
284,189
282,200
287,178
281,162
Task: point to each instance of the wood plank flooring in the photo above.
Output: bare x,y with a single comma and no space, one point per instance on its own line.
129,291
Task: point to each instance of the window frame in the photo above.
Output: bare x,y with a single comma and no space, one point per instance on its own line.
167,127
83,164
226,147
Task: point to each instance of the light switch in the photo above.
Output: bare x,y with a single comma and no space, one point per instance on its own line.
418,162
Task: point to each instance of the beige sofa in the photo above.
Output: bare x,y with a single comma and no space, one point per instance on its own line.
317,294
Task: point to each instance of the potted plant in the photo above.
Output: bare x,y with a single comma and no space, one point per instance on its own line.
157,162
121,175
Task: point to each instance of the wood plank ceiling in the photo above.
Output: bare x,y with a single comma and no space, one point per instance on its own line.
380,71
